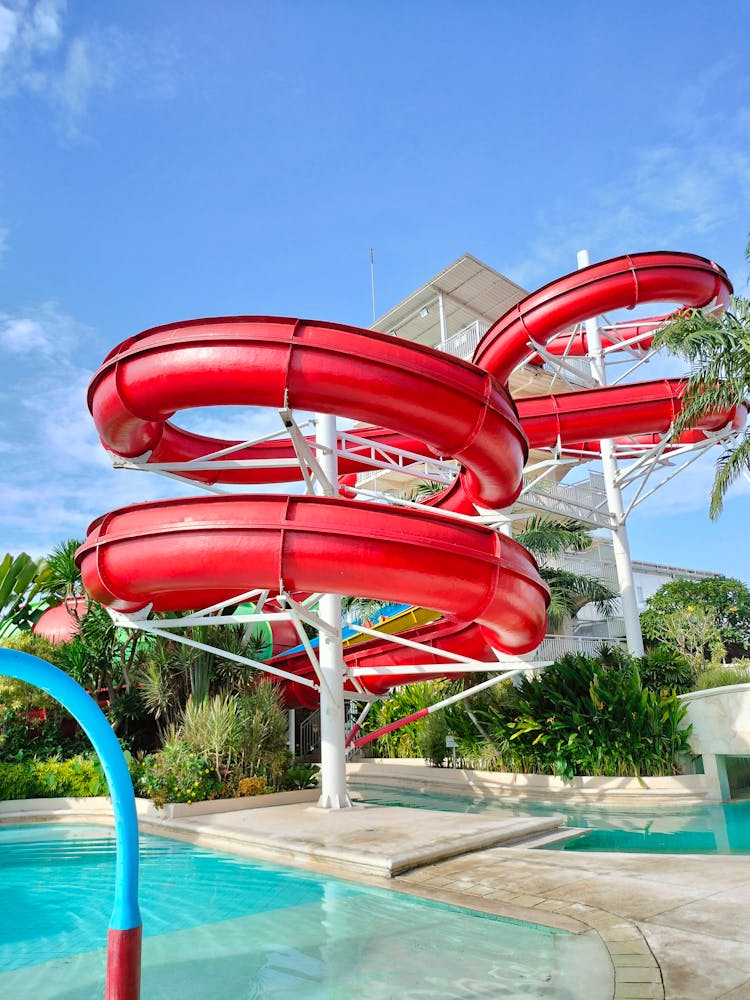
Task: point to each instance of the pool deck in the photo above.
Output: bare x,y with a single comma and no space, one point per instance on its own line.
675,927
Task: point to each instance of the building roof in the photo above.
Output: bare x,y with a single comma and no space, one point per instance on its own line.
471,290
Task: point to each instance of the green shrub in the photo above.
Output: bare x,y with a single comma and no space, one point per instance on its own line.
35,645
722,677
432,735
78,777
24,736
579,717
663,668
177,774
299,776
264,749
403,742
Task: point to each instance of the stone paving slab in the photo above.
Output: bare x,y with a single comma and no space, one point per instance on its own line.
379,841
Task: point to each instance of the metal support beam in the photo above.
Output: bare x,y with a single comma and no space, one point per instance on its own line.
614,496
333,793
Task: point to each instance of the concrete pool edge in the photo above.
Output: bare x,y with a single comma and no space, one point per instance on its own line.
685,789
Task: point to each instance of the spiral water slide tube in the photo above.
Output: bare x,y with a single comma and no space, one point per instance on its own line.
177,555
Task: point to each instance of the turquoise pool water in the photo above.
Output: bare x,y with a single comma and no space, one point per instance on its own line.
218,926
704,829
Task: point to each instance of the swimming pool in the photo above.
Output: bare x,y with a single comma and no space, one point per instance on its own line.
664,829
219,926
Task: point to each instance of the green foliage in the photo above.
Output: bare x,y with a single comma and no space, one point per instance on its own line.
34,645
403,742
581,716
664,669
24,735
212,728
63,578
21,580
723,676
548,538
726,599
240,737
263,733
37,779
431,738
718,349
178,774
299,776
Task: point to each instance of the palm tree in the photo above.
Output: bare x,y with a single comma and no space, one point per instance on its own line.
63,577
718,349
546,538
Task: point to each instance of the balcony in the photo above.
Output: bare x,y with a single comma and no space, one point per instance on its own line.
464,343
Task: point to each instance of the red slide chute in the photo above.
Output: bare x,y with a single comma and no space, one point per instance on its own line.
176,555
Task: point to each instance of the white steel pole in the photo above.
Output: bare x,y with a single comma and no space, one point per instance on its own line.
614,495
443,324
333,793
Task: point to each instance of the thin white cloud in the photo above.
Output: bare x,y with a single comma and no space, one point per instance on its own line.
44,329
70,73
672,194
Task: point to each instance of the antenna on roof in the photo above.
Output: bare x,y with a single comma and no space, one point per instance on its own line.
372,282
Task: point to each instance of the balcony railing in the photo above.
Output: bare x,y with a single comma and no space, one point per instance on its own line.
464,343
555,646
576,500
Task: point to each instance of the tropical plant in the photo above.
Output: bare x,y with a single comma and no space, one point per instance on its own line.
212,728
63,578
432,736
664,669
264,733
403,701
298,776
695,633
36,779
547,538
22,579
718,349
580,717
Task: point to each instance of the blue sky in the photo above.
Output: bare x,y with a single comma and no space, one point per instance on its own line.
165,161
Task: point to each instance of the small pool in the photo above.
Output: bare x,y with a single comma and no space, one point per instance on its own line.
701,829
219,926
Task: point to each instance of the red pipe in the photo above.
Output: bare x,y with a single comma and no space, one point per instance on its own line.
123,964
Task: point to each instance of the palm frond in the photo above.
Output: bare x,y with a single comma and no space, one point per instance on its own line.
544,536
729,467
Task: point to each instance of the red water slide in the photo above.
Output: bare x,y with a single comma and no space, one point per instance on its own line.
194,552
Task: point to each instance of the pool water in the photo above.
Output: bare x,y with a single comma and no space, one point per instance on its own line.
665,829
219,926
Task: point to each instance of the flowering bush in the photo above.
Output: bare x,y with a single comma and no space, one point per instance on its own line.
175,774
